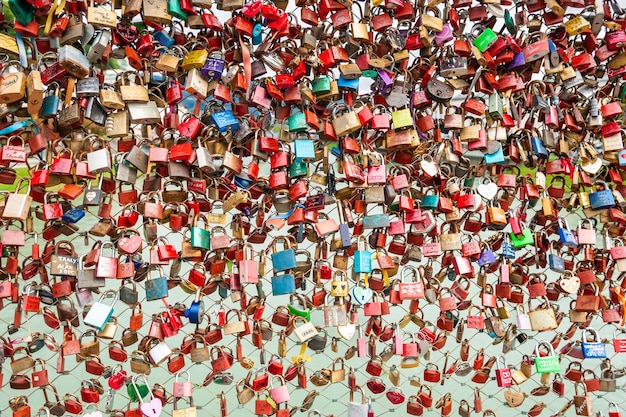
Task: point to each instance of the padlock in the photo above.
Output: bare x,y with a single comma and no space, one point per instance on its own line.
503,373
549,363
100,313
595,349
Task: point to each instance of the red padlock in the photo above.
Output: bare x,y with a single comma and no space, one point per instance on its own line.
503,373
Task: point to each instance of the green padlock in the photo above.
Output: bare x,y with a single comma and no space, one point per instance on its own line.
173,8
547,364
298,307
525,239
485,39
298,169
509,23
320,85
495,106
133,388
23,11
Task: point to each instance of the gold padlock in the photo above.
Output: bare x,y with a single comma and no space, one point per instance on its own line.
156,10
402,119
70,114
194,59
108,332
132,93
168,62
101,17
576,25
434,22
12,83
346,123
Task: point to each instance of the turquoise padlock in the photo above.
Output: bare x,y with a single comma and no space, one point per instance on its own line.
173,8
304,150
430,201
495,158
257,34
156,288
297,123
50,103
320,85
285,259
200,236
362,258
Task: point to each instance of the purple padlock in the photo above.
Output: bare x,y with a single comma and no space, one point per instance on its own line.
384,82
445,35
517,62
213,66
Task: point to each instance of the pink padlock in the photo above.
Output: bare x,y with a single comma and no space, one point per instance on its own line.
280,393
445,35
182,388
586,232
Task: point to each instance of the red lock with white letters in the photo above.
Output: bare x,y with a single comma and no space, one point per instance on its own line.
619,344
503,373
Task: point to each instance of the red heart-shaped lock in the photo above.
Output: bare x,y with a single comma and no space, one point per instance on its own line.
376,385
395,396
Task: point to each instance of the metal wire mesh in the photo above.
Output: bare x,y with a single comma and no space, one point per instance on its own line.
332,398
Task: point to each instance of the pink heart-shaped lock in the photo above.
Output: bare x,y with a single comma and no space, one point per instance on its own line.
152,409
130,244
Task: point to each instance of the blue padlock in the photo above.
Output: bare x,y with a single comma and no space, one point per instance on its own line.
257,34
50,104
73,215
567,236
496,157
508,250
538,147
283,284
487,257
603,198
304,150
163,38
156,288
285,259
595,349
225,121
362,257
195,312
621,158
348,84
555,262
